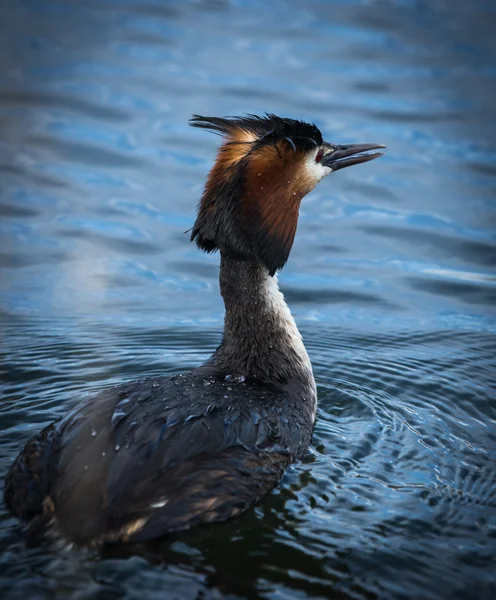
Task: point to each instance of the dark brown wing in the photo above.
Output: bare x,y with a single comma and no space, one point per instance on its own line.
146,459
206,489
26,483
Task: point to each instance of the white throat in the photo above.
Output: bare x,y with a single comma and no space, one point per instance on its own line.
276,304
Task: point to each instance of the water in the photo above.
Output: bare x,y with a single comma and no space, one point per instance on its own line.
391,279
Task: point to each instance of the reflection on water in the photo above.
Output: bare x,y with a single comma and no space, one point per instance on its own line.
391,278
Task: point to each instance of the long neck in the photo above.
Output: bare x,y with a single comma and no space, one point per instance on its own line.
261,340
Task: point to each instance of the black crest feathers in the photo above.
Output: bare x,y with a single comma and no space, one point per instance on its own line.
267,129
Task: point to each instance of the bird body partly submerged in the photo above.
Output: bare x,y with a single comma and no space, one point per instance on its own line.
146,458
143,459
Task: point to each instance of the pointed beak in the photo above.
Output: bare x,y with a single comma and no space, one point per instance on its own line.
347,155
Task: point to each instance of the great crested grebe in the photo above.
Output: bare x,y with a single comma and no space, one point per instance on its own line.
147,458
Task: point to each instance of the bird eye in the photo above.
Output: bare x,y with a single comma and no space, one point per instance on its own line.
319,156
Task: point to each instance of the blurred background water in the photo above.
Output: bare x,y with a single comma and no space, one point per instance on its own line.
391,279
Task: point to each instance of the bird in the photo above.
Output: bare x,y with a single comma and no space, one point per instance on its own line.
143,459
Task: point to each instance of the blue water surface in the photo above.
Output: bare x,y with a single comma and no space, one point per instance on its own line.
392,278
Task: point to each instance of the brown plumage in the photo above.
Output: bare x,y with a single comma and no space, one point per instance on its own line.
252,194
277,181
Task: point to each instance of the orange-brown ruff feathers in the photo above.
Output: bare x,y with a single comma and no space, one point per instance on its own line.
252,196
146,458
